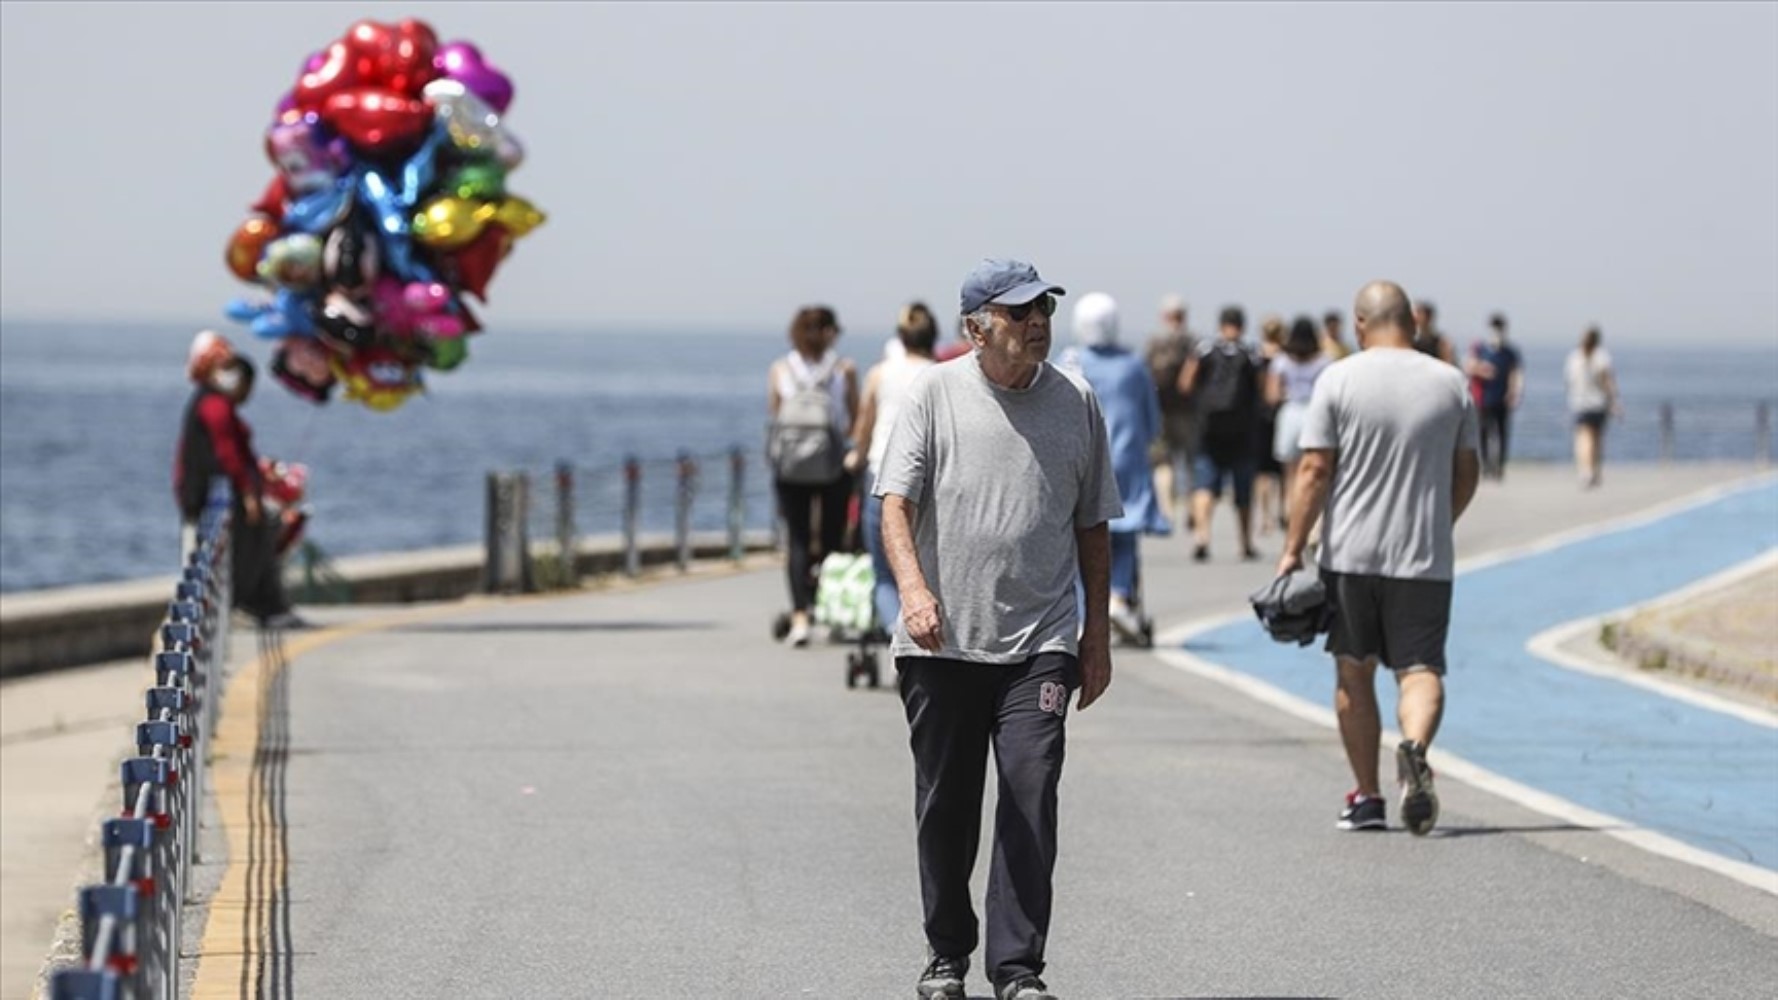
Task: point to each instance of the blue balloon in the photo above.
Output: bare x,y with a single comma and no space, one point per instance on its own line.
391,217
421,168
317,212
286,315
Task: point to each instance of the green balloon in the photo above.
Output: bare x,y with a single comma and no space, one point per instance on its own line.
480,181
448,354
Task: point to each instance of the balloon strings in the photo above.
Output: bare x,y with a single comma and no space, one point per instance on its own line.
308,434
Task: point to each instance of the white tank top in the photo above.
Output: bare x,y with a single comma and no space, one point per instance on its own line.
895,375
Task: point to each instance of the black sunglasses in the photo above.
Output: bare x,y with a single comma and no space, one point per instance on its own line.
1045,303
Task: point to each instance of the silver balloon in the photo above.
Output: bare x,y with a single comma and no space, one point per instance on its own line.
473,126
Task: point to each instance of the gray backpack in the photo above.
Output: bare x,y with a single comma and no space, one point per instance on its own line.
802,445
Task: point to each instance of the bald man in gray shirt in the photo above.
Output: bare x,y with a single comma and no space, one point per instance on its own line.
997,490
1389,459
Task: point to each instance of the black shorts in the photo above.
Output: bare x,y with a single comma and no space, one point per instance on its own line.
1590,418
1399,622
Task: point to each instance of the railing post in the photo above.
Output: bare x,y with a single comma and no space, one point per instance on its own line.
632,509
1762,433
737,502
508,563
566,549
1666,432
687,489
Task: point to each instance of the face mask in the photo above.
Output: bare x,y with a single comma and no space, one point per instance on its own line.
228,380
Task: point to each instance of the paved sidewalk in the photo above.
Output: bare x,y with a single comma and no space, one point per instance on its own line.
638,794
632,790
61,738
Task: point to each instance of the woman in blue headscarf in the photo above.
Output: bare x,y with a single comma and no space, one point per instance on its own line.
1132,411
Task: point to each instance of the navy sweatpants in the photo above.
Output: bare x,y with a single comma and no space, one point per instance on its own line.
956,711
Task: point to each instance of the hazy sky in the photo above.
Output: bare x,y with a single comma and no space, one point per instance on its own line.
716,165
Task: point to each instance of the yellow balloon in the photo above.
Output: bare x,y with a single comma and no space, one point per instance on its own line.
449,222
518,216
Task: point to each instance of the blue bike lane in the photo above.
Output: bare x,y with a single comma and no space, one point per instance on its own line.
1699,776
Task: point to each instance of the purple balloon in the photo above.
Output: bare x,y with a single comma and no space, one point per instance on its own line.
463,62
315,61
285,103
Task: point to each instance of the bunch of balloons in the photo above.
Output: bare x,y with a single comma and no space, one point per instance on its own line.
388,208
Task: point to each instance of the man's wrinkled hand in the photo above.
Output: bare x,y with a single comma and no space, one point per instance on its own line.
1095,670
921,617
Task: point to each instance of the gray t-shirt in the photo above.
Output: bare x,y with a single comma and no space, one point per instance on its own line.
1395,420
1001,479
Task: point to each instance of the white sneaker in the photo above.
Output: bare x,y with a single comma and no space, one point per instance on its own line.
1124,621
799,634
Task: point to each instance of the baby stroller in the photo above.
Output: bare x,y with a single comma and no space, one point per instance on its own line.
844,603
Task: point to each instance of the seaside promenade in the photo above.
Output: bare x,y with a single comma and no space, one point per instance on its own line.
631,790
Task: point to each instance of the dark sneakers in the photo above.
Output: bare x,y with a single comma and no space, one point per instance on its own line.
1363,812
1024,988
1419,800
943,978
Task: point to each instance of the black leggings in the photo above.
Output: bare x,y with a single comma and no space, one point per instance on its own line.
1494,422
797,504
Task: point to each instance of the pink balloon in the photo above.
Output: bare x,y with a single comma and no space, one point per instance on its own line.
426,297
463,62
315,61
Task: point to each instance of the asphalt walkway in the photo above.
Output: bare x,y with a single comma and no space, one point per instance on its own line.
632,791
636,793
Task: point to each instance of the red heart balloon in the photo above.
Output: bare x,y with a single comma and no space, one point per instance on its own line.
271,200
473,265
376,119
406,64
340,70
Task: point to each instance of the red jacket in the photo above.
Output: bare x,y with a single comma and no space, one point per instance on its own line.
214,441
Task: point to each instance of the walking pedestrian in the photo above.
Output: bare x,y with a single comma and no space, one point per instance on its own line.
1131,407
1497,376
1592,398
214,441
1176,448
1427,338
812,396
885,386
1290,380
1268,472
1332,343
1224,381
998,462
1389,459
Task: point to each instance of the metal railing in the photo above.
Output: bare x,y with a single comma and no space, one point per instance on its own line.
132,922
689,498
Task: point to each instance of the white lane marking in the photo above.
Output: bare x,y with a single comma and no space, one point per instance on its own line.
1547,645
1167,651
1452,766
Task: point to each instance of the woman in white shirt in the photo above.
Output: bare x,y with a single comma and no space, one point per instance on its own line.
884,389
1290,381
1592,396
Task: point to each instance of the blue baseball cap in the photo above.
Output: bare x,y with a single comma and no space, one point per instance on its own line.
1005,283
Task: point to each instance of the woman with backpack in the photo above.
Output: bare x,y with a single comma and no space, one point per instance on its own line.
812,398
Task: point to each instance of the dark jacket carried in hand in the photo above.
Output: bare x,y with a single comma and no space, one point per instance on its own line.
1294,607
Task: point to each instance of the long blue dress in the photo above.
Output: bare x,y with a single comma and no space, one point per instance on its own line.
1132,421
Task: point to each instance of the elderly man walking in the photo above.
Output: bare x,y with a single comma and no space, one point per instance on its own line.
997,490
1389,458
